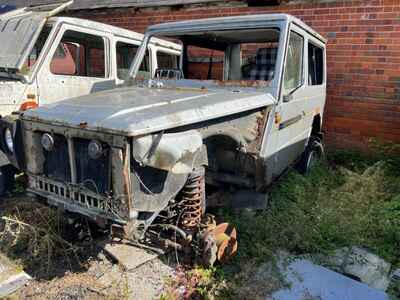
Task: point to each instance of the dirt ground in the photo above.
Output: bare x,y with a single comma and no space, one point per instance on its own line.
102,280
95,276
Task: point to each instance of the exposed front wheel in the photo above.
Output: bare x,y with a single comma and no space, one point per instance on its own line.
7,179
313,153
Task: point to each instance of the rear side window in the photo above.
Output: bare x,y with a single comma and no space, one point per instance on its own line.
167,61
315,65
125,55
80,54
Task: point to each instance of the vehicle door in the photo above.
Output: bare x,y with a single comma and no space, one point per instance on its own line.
77,64
290,114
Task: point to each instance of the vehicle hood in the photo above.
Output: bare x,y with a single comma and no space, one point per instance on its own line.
136,110
19,31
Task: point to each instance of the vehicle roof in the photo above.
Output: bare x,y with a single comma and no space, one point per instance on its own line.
118,31
222,23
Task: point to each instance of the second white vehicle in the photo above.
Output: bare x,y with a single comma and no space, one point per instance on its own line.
44,59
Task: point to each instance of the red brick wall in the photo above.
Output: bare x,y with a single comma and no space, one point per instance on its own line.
363,59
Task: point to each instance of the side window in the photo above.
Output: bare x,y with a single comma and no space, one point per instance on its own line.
96,62
80,54
315,65
167,60
293,77
125,55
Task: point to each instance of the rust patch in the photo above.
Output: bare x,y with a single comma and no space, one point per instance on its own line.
242,83
127,178
259,129
219,244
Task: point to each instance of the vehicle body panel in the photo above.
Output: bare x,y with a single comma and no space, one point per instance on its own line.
141,110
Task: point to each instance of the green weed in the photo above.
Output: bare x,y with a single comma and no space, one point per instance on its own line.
347,200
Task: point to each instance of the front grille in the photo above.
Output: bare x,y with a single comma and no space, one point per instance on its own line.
56,164
69,194
94,175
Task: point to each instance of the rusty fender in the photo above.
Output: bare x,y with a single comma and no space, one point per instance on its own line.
172,152
164,161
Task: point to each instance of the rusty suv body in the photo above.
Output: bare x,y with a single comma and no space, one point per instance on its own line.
247,102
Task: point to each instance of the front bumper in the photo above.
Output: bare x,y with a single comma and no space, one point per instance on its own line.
75,199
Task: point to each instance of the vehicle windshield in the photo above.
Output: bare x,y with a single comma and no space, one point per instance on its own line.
227,57
36,51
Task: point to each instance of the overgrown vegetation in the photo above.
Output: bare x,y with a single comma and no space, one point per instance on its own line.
33,235
332,207
347,200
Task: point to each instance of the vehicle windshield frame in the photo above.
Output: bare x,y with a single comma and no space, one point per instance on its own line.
152,34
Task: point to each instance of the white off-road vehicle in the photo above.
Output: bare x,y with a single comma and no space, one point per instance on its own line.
44,59
247,104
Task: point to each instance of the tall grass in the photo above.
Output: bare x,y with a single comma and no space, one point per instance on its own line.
354,203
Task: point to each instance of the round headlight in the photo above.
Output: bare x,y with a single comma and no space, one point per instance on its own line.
8,139
95,149
47,142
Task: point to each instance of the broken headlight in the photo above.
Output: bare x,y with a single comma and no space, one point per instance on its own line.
95,149
8,140
47,142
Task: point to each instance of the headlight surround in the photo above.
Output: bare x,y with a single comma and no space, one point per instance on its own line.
95,149
47,142
8,140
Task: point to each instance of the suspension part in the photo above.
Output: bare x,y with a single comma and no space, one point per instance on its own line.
218,244
192,200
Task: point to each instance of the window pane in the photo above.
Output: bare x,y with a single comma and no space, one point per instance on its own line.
63,62
96,66
294,63
315,65
204,64
79,54
167,60
258,61
125,55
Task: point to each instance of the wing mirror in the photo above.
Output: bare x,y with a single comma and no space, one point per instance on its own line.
288,97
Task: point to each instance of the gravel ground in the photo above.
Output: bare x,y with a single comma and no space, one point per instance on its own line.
103,280
97,276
